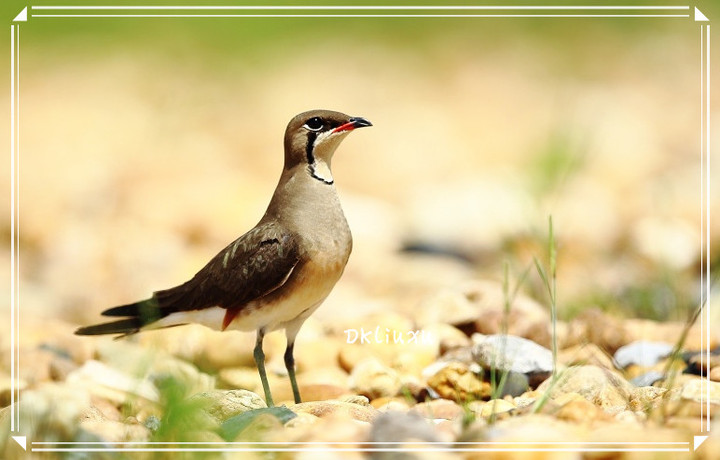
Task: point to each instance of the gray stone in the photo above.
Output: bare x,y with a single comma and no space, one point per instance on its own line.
642,353
647,379
508,353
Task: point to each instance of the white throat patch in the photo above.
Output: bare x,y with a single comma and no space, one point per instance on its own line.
320,170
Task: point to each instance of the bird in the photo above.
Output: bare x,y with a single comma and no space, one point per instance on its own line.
278,273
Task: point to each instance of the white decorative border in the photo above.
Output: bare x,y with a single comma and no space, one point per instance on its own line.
578,11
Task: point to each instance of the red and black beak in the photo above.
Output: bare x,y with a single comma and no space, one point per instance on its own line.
355,122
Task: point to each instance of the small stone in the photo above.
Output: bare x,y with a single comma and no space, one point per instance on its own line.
456,382
698,362
587,353
223,404
372,379
599,328
647,379
58,406
580,410
303,419
495,407
439,409
642,353
396,427
602,387
514,354
334,408
355,399
112,431
350,355
386,404
448,337
714,374
697,390
648,397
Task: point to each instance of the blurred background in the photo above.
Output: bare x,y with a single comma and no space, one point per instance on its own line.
149,144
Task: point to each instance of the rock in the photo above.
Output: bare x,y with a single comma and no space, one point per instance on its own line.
106,382
303,419
386,404
479,306
439,409
540,428
587,353
51,411
372,379
223,404
350,355
260,428
714,374
396,427
602,387
642,353
580,410
496,407
182,372
355,399
246,378
644,398
336,408
457,383
317,353
112,431
513,354
698,364
668,332
601,329
647,378
326,432
412,362
448,337
701,391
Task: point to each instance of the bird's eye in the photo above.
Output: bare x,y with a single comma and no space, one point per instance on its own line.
314,124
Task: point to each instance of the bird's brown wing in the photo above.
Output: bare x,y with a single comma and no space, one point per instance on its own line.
249,268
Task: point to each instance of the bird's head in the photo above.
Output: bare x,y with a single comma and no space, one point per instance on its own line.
312,137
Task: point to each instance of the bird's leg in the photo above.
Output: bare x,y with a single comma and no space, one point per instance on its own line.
290,366
260,362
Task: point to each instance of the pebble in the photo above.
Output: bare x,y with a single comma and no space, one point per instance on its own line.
373,379
106,382
701,390
647,378
336,408
113,431
513,354
580,410
594,326
496,407
644,398
587,353
642,353
223,404
396,427
439,409
456,382
58,405
602,387
714,374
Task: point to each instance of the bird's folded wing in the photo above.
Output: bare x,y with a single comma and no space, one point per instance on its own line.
249,268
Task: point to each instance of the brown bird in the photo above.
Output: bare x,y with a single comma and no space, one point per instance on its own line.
277,274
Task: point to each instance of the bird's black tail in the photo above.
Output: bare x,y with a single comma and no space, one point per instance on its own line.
138,314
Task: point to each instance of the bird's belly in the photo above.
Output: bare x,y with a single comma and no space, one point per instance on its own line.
302,294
